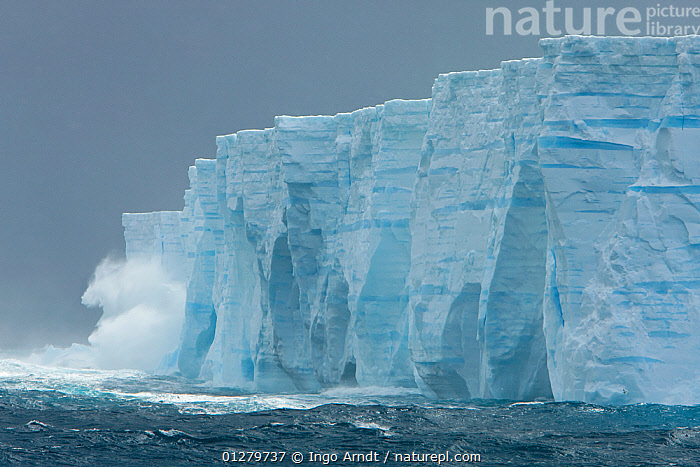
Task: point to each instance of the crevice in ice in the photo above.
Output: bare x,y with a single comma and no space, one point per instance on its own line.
382,348
329,330
285,312
464,318
513,337
348,377
457,375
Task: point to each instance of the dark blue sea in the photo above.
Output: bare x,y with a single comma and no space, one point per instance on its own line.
53,417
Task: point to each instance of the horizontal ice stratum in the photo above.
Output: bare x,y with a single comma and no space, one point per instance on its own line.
528,232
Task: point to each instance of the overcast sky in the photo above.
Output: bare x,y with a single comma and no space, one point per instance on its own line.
104,105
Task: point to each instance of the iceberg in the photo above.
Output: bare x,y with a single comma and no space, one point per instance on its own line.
527,232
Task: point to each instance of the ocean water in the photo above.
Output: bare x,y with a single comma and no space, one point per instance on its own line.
52,417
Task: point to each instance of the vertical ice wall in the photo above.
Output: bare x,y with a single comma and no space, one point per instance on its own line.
511,336
479,238
527,232
277,300
460,173
156,235
376,238
619,150
200,315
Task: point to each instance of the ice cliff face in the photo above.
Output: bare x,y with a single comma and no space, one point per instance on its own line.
532,231
619,148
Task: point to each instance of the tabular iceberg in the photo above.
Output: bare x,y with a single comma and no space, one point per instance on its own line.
528,232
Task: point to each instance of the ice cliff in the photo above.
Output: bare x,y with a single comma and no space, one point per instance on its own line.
528,232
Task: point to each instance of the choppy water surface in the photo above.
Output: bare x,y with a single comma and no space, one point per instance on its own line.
85,417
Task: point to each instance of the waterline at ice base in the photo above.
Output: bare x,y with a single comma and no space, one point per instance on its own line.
530,232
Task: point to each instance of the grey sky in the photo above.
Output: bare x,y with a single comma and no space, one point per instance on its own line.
104,105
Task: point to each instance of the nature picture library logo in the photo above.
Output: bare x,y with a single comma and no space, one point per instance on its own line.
550,19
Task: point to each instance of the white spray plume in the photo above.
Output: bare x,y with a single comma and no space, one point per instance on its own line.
143,309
